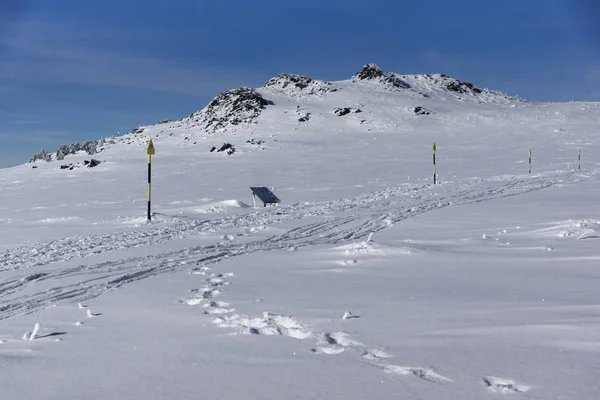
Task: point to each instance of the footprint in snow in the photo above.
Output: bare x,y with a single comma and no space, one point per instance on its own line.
199,271
268,324
426,374
193,301
375,354
217,307
347,263
501,385
90,314
217,282
218,310
334,343
223,275
349,315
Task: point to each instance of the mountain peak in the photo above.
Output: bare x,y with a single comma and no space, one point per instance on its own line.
369,71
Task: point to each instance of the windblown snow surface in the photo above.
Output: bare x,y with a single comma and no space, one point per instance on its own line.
367,282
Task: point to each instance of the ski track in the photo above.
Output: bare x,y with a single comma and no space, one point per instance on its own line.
383,209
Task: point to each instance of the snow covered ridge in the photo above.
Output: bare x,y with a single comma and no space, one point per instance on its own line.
244,105
235,109
425,84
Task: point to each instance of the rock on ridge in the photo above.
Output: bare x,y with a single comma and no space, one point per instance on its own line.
298,84
90,147
373,72
232,107
369,71
421,85
450,84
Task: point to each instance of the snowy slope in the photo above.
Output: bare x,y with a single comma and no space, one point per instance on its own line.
479,285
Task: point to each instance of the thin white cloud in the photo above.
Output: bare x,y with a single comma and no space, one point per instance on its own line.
52,57
38,136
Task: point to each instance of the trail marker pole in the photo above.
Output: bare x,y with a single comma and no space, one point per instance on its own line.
579,159
530,161
434,166
150,151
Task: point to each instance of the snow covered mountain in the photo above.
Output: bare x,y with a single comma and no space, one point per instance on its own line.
368,92
366,282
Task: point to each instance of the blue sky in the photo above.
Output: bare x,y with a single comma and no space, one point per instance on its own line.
72,70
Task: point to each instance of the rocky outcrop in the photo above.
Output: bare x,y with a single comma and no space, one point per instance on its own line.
89,147
372,72
227,147
230,108
340,112
421,111
456,86
298,85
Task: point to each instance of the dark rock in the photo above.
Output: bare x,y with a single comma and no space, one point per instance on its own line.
395,81
86,162
285,80
461,87
163,121
373,72
227,147
305,118
421,111
34,166
137,130
342,111
346,110
212,149
233,107
303,84
93,163
370,71
255,142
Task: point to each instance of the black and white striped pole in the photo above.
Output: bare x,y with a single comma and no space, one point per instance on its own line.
434,166
529,160
150,151
579,159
